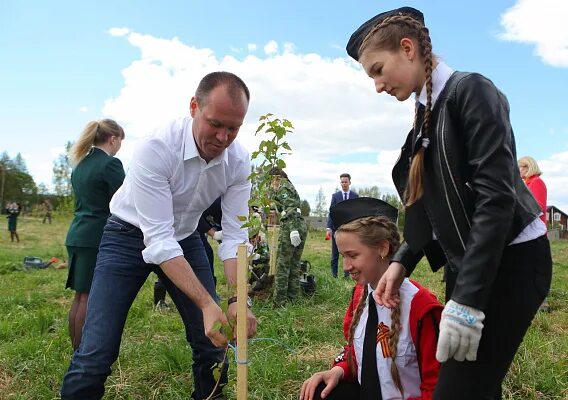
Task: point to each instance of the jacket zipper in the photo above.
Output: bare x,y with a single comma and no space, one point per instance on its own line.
442,120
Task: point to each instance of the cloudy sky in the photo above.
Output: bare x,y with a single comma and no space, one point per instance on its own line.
65,63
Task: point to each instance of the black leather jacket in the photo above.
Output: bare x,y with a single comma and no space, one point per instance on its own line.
474,199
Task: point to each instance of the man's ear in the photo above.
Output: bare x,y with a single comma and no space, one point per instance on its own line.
408,48
193,107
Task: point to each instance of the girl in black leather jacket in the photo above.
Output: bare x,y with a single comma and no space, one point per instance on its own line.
466,205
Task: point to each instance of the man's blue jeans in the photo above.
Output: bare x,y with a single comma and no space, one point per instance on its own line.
119,275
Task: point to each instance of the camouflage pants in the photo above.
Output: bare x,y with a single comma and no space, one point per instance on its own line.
287,284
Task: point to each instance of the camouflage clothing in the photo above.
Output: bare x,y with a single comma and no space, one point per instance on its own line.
287,203
262,265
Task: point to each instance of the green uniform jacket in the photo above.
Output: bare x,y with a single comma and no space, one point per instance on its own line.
94,181
287,203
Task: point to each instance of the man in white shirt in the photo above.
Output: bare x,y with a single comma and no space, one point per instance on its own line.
174,176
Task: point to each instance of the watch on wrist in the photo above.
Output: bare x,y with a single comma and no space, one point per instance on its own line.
233,299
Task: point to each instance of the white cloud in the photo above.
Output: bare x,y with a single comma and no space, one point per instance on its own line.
271,47
84,109
251,47
541,23
289,47
341,124
118,31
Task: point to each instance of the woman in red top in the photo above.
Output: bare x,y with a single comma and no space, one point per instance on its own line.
530,172
397,360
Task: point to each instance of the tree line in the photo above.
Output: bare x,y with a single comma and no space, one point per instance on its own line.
18,185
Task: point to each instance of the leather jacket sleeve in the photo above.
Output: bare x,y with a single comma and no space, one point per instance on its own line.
407,258
490,166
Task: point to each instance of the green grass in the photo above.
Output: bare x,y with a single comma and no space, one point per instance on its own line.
155,361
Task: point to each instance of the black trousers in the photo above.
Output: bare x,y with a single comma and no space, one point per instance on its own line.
343,391
521,285
210,255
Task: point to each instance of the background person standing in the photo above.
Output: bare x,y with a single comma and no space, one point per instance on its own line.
13,211
291,238
344,194
96,175
530,172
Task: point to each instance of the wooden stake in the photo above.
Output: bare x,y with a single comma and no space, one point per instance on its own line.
242,335
273,231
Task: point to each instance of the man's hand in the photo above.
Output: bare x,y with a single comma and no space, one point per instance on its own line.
295,238
460,332
331,378
386,294
218,236
251,319
212,317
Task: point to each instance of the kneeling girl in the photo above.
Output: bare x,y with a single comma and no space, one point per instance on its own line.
367,237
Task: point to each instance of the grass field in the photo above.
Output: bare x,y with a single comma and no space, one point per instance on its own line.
155,360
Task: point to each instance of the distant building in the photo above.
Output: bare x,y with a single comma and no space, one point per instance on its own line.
556,218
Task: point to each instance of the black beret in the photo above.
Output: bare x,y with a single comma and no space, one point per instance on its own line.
359,35
350,210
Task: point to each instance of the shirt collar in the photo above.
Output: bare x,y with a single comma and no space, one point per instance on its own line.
101,149
440,77
191,151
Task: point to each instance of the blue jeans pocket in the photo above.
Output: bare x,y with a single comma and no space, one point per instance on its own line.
115,224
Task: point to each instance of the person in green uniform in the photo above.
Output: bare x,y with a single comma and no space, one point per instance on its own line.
292,237
260,261
13,210
96,175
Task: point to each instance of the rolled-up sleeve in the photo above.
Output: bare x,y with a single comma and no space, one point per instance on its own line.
151,171
234,204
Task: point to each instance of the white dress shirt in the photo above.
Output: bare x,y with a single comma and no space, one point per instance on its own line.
406,358
440,76
168,186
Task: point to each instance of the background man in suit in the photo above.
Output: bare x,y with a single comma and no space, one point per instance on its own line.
338,197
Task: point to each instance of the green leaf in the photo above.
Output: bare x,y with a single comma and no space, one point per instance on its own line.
260,127
217,326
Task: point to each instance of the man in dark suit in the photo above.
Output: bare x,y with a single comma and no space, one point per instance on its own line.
338,197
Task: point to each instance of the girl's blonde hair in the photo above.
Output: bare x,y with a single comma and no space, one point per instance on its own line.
532,166
387,35
371,231
95,133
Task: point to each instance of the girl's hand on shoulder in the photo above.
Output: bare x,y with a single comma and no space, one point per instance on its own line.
330,377
386,293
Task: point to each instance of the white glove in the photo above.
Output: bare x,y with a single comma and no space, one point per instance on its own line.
256,257
218,235
295,238
460,332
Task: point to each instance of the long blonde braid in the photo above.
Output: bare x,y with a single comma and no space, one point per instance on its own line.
354,323
393,346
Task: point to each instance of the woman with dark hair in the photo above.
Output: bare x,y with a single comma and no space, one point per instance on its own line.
466,205
96,175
